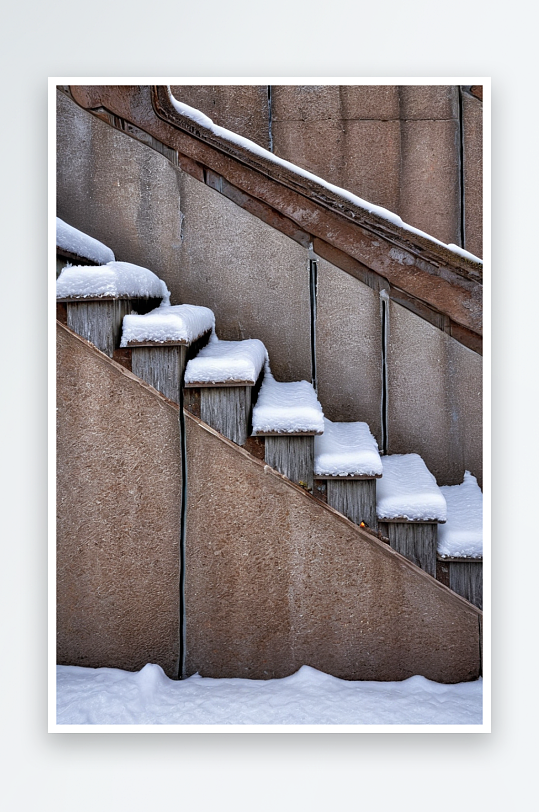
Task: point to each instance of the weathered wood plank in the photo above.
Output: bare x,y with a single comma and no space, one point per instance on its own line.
228,410
292,456
99,320
466,579
162,364
162,367
416,541
355,499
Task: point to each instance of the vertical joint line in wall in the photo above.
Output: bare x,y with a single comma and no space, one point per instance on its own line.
270,120
183,522
461,174
313,285
384,315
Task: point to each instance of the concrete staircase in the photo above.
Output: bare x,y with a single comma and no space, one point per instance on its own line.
227,405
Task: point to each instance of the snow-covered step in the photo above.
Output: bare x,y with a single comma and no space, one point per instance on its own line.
74,247
289,416
409,507
460,540
228,376
163,341
347,460
98,297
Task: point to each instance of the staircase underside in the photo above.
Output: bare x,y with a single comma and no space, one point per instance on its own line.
274,579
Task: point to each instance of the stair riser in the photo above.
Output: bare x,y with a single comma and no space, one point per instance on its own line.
293,457
416,541
355,499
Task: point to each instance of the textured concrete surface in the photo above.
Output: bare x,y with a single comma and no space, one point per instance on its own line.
255,279
372,163
472,114
117,190
430,177
348,348
347,135
318,146
244,109
429,102
276,580
434,398
118,515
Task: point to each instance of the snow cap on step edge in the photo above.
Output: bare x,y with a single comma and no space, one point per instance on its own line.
81,244
168,323
112,279
408,490
346,449
287,407
227,361
462,535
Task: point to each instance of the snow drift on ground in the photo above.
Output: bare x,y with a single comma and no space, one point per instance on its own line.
462,535
346,449
407,489
108,696
222,361
81,244
112,279
168,323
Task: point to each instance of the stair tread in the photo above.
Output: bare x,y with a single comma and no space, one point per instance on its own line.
167,324
462,535
227,363
76,242
408,491
114,279
346,450
287,408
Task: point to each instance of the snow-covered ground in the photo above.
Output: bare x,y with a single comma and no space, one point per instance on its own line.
109,696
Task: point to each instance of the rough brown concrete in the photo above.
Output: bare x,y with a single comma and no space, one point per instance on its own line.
347,135
434,398
244,109
118,515
318,146
472,115
255,279
348,348
428,102
395,146
372,164
376,102
117,190
275,580
430,177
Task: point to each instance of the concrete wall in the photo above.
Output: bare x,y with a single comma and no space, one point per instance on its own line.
244,109
472,114
276,580
255,279
118,515
348,348
434,398
214,253
396,146
117,190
